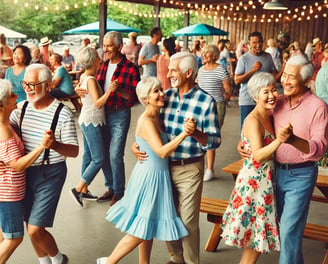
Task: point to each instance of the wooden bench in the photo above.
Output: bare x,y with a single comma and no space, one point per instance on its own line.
317,232
75,100
214,208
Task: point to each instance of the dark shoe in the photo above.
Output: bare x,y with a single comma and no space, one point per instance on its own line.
171,262
107,196
89,196
65,259
116,197
77,196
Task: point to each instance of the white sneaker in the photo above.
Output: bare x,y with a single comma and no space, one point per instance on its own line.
102,260
208,175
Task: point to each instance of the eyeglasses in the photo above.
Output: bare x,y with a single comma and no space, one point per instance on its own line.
30,85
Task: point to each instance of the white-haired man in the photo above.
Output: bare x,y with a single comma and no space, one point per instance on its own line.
46,177
186,100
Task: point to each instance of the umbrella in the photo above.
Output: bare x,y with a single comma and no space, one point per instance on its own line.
11,33
94,28
200,30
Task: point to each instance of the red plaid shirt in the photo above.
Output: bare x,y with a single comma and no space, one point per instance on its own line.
128,76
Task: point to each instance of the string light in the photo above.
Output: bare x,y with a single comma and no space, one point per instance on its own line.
204,10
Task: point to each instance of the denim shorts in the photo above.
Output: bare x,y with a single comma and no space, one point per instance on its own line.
44,184
12,219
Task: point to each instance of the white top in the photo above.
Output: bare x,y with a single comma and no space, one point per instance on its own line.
90,114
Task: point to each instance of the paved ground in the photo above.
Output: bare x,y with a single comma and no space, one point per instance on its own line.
83,233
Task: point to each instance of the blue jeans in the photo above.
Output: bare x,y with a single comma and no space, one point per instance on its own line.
118,124
94,151
244,111
12,219
294,192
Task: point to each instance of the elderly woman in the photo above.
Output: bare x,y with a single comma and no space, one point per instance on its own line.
250,220
92,121
62,84
215,80
147,210
13,162
15,74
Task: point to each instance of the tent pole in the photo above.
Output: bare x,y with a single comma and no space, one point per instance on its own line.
102,20
186,23
157,20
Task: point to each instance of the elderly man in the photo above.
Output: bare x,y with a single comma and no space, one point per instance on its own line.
187,161
149,53
296,161
122,75
253,61
46,177
68,59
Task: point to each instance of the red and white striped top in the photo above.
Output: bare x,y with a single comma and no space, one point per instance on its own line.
12,183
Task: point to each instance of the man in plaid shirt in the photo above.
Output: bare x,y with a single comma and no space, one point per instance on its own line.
185,100
122,76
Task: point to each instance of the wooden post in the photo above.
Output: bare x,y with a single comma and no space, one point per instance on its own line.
186,23
157,20
102,20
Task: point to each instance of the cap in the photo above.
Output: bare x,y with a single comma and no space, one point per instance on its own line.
45,41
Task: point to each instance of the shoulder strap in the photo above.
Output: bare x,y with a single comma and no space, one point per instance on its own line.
53,128
141,124
21,118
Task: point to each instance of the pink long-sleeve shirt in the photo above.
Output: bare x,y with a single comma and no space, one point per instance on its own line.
309,119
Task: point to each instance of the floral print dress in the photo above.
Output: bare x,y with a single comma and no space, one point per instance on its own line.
250,219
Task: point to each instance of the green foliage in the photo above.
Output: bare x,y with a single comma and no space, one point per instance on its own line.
39,23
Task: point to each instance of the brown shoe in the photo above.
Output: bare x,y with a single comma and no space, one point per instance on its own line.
107,196
116,197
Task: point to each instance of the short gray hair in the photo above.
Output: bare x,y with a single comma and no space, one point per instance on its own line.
115,36
5,91
146,85
187,61
306,70
213,49
86,57
258,81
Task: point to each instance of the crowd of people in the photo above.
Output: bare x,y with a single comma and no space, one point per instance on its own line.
185,95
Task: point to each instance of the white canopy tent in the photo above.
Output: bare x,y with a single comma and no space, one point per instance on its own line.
11,33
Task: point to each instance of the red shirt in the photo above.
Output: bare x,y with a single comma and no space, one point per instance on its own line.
128,76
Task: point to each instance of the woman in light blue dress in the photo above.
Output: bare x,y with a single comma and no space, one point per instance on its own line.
147,210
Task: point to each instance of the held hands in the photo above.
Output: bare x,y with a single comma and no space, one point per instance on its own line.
189,126
113,86
285,133
48,139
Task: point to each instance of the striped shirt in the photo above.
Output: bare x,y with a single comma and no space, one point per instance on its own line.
35,122
211,81
12,183
199,105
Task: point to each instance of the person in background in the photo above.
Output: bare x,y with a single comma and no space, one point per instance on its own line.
273,50
241,48
92,121
131,50
35,54
325,54
62,84
253,61
250,220
46,176
224,53
121,76
12,169
197,51
149,53
6,56
148,201
45,51
168,48
68,59
214,79
15,74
